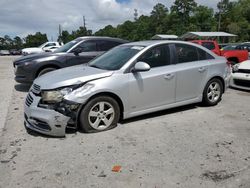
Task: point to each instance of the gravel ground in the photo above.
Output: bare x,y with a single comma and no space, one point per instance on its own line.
191,146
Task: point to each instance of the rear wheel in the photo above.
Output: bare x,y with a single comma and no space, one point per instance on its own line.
212,92
99,114
46,70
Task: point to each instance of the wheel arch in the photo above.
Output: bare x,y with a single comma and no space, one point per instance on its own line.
109,94
50,65
219,78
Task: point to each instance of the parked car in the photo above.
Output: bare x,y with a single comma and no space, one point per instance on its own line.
229,47
233,56
130,80
244,46
4,52
40,49
78,51
241,76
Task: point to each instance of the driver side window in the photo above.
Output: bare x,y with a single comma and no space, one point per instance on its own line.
157,56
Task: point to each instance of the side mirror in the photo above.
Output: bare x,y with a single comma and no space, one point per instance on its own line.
141,67
77,51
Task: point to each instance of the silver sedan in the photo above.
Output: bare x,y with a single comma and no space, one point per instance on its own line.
129,80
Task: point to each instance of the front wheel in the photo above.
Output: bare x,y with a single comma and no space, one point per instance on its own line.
212,92
99,114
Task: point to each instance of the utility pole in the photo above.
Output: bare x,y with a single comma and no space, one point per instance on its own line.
136,14
220,6
84,22
60,33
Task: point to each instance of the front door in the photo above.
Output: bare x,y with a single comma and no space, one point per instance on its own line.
155,87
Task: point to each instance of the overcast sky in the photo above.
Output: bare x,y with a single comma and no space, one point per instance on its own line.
22,17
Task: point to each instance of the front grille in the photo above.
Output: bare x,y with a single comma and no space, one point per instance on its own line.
36,89
244,71
29,100
244,83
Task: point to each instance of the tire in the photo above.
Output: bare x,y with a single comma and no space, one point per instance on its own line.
213,92
99,114
45,70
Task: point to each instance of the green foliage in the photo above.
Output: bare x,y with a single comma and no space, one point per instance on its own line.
184,16
35,40
80,32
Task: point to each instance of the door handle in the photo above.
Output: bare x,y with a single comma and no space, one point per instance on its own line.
202,69
169,76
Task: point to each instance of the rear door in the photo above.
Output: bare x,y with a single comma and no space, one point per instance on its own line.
191,70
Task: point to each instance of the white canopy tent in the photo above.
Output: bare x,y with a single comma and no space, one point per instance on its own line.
205,35
165,37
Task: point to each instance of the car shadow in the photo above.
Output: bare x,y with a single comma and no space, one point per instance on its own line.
22,87
73,132
161,113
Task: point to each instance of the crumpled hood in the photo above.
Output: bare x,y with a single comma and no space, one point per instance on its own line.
244,65
70,76
37,56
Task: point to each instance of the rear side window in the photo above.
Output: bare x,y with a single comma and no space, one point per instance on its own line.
157,56
107,45
203,55
88,46
186,53
208,45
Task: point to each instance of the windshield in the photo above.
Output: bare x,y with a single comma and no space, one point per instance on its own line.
115,58
41,45
67,46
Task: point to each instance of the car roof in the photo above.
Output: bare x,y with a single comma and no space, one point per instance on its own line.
156,42
101,37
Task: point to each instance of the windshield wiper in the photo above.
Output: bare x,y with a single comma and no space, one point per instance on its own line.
95,66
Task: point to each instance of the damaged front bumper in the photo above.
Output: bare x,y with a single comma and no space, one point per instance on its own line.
46,120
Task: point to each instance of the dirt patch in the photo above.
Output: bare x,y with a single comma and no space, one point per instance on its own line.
217,176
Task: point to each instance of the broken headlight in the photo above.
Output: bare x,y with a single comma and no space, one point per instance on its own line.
235,68
55,96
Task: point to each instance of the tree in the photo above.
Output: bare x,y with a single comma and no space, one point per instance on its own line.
35,40
203,18
108,30
18,42
183,9
159,17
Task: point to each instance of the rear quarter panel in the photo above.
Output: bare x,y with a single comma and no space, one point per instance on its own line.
218,68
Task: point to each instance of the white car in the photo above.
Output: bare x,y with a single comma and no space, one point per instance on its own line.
40,49
51,49
241,75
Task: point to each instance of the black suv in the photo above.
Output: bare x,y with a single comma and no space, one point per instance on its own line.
78,51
